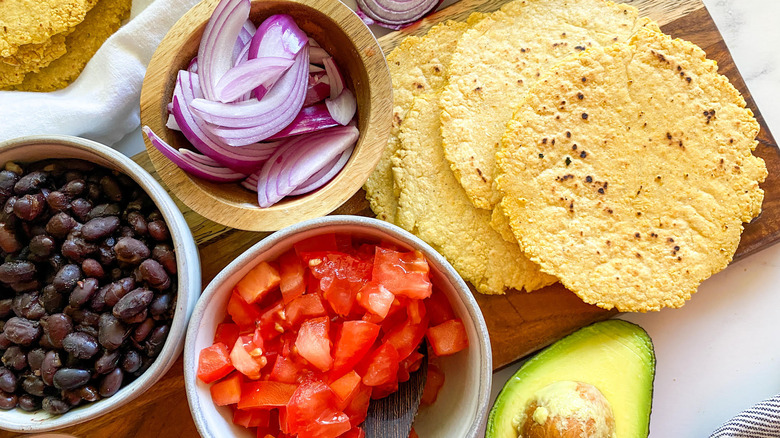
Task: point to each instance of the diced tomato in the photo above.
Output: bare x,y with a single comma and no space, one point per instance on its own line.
381,366
291,271
345,388
439,308
413,433
243,313
358,407
433,383
416,311
214,363
409,365
355,432
273,322
285,370
228,391
406,337
384,390
265,394
313,342
302,307
247,357
448,337
376,299
322,242
341,276
259,281
252,418
354,340
403,273
227,333
314,404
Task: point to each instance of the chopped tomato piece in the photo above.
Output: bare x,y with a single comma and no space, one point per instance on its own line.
345,388
358,407
448,337
305,306
384,390
403,273
381,366
409,365
376,299
313,407
313,342
322,242
341,276
416,311
285,370
265,394
252,418
433,383
227,333
406,337
214,363
247,357
259,281
291,272
273,322
439,308
354,340
228,391
243,313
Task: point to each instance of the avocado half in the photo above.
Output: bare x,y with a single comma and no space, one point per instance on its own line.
615,356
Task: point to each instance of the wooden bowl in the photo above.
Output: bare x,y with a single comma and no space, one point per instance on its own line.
339,31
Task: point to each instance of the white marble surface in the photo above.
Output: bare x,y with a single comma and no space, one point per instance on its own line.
721,352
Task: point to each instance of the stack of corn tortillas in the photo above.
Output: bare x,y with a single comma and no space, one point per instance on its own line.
44,45
569,140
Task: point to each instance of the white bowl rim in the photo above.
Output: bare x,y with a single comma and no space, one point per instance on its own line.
189,285
248,256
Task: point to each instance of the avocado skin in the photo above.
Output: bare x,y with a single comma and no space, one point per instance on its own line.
615,356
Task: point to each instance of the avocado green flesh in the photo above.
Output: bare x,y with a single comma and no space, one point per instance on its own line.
614,356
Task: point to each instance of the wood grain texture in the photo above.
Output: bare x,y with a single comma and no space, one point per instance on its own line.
352,45
519,323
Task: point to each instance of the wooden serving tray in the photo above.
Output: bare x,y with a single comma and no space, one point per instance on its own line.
519,323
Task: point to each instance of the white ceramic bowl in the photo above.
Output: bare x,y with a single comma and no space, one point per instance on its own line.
35,148
461,407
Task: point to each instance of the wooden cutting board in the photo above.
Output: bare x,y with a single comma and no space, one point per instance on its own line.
519,323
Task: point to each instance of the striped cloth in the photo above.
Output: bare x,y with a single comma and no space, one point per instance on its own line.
759,421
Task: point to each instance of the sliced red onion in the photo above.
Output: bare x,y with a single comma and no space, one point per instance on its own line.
279,37
193,67
249,75
326,174
318,89
242,42
310,119
390,13
313,42
242,55
215,54
190,165
171,123
300,158
317,54
334,76
244,159
243,123
343,107
315,68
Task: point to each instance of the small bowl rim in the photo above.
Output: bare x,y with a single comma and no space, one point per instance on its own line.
339,190
189,281
250,256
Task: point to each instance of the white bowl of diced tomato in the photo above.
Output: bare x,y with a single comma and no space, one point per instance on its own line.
297,335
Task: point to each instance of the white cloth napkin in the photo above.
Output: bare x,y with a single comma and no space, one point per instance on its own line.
759,421
103,103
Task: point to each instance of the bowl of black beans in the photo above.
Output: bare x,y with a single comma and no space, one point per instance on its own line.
98,277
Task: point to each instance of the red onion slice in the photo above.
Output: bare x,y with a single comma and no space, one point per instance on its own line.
215,54
300,158
171,123
279,37
334,76
326,174
397,12
190,165
317,54
343,107
317,91
310,119
249,75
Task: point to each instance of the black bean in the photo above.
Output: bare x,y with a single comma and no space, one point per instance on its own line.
158,230
98,301
104,210
143,330
154,274
118,289
24,286
35,359
72,397
55,406
111,188
74,187
80,345
51,363
4,342
15,358
51,299
133,303
92,268
81,208
42,245
9,240
67,278
111,382
30,183
60,225
107,361
156,340
33,385
70,378
88,329
22,331
26,305
164,254
138,222
83,292
17,271
30,206
8,381
29,403
89,393
161,305
100,227
130,250
77,249
111,332
7,400
7,182
84,317
132,361
58,201
93,191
